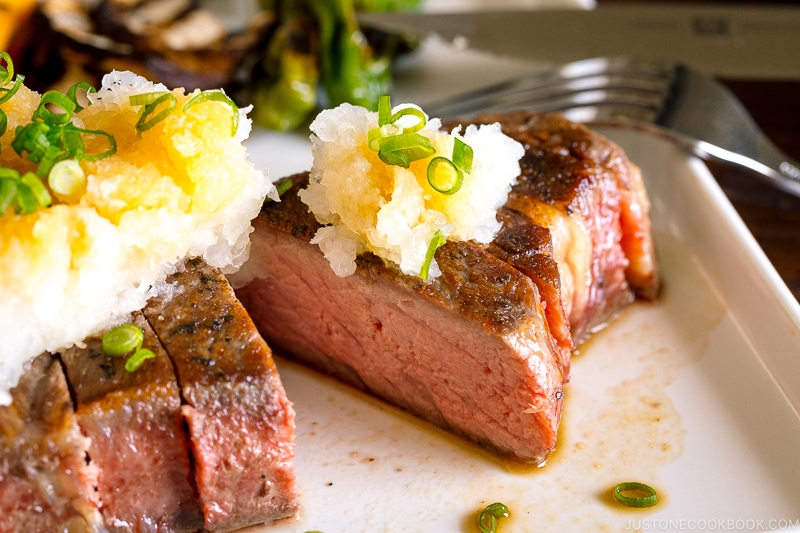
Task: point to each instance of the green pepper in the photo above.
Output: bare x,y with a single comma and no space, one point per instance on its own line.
386,5
318,44
289,95
351,71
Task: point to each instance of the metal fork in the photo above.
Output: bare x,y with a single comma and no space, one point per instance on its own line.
687,107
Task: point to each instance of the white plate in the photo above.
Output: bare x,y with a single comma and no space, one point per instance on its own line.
697,395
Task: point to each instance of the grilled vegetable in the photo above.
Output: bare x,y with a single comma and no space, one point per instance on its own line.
286,57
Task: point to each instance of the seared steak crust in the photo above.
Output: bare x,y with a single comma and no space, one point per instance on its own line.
45,482
138,445
240,423
113,454
585,191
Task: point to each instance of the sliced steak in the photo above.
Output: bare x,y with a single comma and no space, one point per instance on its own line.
582,188
45,481
484,349
134,423
470,350
240,422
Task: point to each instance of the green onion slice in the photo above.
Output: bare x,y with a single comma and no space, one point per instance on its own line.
31,138
25,199
122,339
54,98
14,88
384,110
138,358
462,155
437,241
375,135
405,148
72,92
8,192
635,494
282,186
8,173
146,98
6,72
444,176
3,123
386,117
487,520
412,112
151,102
37,188
77,147
217,96
67,178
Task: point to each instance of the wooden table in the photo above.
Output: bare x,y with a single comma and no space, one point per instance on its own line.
772,216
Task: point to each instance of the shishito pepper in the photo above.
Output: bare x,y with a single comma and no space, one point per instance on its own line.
351,71
289,94
317,44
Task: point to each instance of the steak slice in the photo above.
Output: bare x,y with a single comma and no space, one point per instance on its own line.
582,188
134,423
470,350
45,481
240,422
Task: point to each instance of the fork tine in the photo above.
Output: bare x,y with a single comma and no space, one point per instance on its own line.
584,84
671,101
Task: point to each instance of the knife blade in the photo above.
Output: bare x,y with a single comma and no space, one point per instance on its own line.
735,41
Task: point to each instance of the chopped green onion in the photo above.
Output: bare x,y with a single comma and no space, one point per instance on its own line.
8,192
31,138
151,102
78,145
413,112
67,179
10,92
635,494
81,85
487,520
37,188
25,199
462,155
281,187
7,72
146,98
385,116
436,242
218,96
3,123
138,358
375,135
405,148
384,110
284,186
58,99
27,193
444,176
122,339
395,144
